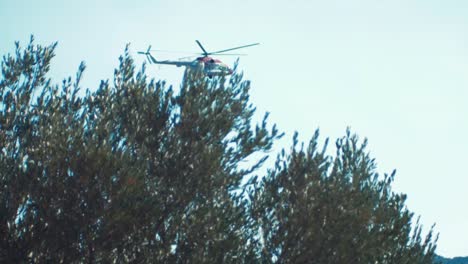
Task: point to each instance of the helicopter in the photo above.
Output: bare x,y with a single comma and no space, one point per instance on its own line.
210,66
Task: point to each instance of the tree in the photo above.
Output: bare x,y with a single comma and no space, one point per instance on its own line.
128,173
314,208
136,172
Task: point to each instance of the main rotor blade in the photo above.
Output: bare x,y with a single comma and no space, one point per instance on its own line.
245,46
176,51
188,57
204,51
231,54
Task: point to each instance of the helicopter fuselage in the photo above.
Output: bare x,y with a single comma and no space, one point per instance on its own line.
210,66
213,67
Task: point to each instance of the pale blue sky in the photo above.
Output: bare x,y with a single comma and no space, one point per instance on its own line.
394,71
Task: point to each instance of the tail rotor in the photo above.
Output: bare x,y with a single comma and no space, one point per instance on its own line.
148,55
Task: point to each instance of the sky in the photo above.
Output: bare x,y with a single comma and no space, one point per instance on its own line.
395,72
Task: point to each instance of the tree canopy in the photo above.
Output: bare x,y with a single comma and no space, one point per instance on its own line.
135,171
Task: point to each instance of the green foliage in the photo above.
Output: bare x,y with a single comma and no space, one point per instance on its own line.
131,172
313,208
135,172
456,260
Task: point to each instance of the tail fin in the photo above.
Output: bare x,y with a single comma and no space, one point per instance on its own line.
149,57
